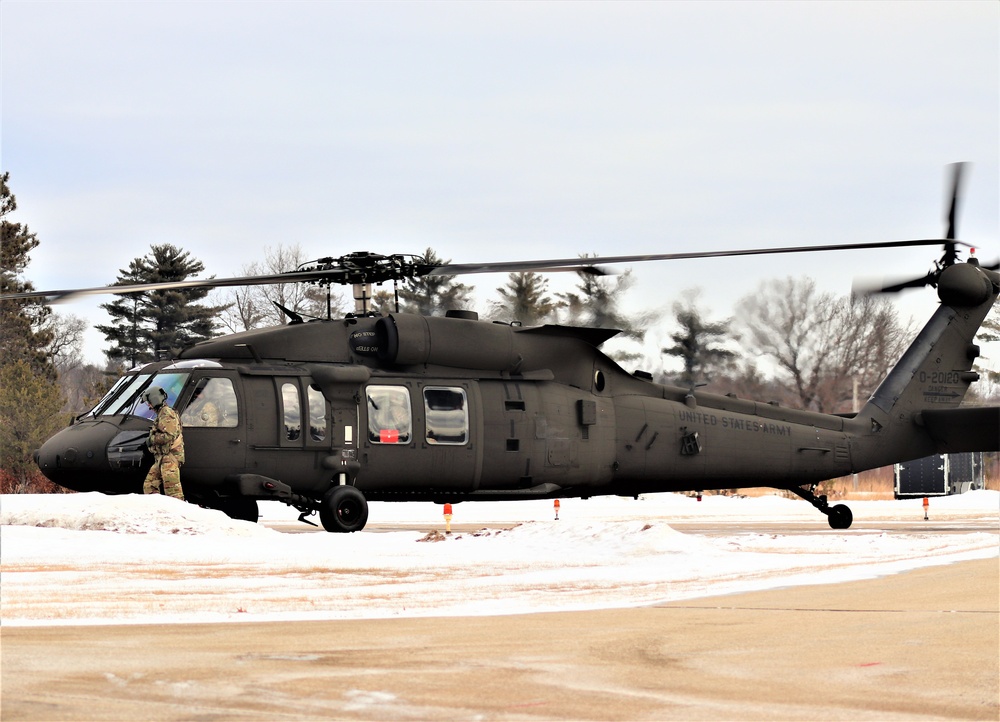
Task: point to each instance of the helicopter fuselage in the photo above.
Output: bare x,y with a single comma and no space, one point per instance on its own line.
515,432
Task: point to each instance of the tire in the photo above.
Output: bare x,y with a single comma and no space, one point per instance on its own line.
840,517
344,509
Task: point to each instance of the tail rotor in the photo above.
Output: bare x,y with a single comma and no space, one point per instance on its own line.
950,244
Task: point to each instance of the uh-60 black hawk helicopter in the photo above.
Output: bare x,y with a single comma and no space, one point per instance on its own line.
326,415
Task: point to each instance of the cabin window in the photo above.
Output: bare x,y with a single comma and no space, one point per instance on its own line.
389,417
317,414
212,405
291,411
447,414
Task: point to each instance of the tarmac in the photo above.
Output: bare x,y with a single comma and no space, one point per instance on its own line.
923,645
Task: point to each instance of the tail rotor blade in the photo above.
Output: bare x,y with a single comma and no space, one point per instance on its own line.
868,287
957,170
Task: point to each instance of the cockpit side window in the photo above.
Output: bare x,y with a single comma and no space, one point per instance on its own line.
389,418
213,405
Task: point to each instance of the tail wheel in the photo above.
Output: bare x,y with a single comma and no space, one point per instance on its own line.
840,517
344,509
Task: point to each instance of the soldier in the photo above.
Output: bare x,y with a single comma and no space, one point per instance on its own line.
203,411
166,441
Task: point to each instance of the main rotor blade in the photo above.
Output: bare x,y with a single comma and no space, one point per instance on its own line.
573,264
349,271
62,296
561,265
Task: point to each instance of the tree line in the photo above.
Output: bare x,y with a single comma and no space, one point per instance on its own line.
787,342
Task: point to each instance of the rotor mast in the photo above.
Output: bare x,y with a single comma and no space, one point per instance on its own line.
362,298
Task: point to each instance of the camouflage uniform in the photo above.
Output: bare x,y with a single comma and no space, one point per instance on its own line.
167,444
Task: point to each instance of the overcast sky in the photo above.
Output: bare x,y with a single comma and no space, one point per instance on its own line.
500,131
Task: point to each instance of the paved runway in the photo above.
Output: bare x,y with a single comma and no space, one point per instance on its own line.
919,645
710,527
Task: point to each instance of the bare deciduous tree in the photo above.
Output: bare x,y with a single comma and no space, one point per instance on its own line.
255,306
65,350
822,344
82,384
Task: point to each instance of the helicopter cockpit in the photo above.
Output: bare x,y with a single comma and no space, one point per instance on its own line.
125,397
105,446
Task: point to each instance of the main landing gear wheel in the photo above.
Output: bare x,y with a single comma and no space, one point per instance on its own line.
344,509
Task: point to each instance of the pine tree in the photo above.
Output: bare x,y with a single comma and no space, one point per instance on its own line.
382,302
30,398
434,294
597,304
153,324
23,332
29,414
696,343
525,298
990,333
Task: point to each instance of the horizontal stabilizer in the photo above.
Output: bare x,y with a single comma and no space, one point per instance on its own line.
963,429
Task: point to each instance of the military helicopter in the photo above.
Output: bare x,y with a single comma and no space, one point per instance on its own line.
327,415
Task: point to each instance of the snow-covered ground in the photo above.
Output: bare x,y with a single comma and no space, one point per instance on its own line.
95,559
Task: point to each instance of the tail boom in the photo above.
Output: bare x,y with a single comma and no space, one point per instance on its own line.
914,411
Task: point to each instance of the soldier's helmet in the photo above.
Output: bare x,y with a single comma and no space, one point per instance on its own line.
155,397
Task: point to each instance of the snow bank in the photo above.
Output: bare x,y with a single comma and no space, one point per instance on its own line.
125,514
90,558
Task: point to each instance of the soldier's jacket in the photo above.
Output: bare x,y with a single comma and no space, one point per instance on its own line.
165,436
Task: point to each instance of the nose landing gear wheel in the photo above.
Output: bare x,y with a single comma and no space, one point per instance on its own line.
344,509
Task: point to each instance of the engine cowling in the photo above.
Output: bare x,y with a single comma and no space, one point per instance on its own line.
406,340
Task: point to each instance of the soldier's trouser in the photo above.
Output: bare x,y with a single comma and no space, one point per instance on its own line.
166,470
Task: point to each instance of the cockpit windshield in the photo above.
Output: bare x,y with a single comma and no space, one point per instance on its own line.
128,399
127,394
107,398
